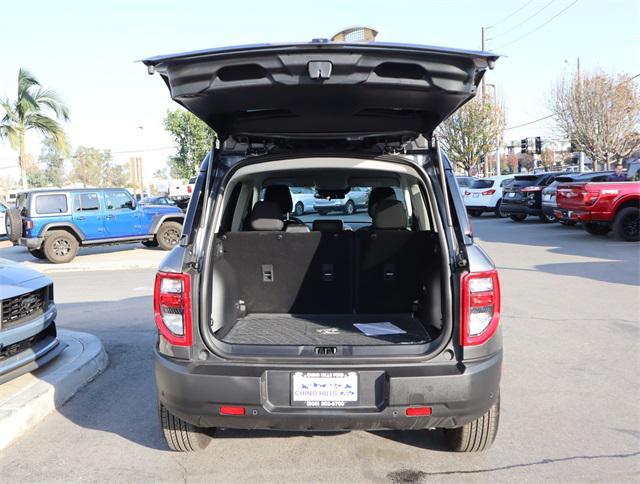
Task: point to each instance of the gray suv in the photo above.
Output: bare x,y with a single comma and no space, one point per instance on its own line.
268,321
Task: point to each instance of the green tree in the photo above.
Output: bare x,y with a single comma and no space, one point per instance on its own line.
35,108
94,167
193,139
52,175
472,132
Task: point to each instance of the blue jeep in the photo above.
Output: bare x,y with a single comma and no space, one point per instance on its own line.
53,224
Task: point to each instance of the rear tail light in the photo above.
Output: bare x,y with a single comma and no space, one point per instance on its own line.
531,189
28,224
189,188
172,307
489,192
467,193
480,313
590,197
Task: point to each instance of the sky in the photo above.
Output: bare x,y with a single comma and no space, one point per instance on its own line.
88,51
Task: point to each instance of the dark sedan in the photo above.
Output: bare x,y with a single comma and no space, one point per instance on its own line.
523,197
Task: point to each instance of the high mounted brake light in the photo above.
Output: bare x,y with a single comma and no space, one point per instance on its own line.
172,307
480,312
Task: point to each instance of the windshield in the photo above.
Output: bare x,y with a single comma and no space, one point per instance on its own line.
482,184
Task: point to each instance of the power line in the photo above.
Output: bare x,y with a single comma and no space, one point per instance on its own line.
523,22
539,26
531,122
510,15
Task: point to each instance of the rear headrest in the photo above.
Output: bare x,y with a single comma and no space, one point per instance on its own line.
390,214
266,216
378,194
327,225
281,195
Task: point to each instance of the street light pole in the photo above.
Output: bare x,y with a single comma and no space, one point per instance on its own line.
495,103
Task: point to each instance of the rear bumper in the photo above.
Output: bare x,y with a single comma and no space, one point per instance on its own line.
456,394
484,208
31,243
519,209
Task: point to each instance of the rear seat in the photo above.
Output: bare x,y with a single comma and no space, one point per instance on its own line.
328,271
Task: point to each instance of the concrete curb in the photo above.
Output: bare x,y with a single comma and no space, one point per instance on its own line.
29,398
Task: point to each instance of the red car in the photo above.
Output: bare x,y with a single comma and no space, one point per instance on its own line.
602,207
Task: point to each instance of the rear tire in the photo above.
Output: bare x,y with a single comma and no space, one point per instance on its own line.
475,213
182,436
596,228
627,224
476,436
498,210
350,208
60,247
547,219
168,235
13,224
299,209
519,217
37,253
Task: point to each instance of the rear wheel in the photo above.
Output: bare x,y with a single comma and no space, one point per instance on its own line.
547,218
13,224
498,211
182,436
478,435
596,228
299,209
168,235
60,247
475,213
37,253
627,224
517,217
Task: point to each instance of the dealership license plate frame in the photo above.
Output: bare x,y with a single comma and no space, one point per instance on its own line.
344,396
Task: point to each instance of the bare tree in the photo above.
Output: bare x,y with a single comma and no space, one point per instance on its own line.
599,113
472,132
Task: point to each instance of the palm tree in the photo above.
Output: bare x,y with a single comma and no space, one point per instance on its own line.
36,109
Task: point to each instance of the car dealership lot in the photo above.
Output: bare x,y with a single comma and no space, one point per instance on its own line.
569,394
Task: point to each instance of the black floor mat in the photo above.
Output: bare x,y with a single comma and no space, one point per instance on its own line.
321,330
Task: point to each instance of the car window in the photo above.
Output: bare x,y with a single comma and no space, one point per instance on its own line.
2,207
86,202
192,180
506,182
482,184
464,181
118,200
525,180
48,204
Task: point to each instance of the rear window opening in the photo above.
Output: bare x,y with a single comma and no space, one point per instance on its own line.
482,184
332,262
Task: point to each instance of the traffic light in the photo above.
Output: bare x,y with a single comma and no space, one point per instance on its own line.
524,145
538,145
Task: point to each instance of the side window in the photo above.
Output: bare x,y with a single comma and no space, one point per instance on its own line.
86,202
118,200
506,182
50,204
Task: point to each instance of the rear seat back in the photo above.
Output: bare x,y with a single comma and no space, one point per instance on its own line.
284,272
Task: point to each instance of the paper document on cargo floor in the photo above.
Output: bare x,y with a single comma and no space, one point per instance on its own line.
379,329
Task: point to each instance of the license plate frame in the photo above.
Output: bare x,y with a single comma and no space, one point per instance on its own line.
511,194
332,389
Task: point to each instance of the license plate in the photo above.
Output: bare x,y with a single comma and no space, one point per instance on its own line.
324,389
476,195
511,194
546,197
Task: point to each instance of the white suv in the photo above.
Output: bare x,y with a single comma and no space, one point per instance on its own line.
485,195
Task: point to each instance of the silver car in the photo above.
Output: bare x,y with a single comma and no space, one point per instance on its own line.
357,197
28,337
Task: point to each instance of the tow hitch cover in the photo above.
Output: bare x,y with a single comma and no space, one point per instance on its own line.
320,69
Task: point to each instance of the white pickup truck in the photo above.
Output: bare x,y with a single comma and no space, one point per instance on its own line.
180,192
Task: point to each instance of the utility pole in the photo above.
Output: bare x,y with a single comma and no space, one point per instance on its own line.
483,49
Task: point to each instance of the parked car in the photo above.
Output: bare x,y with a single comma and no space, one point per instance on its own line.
355,198
157,201
3,212
549,205
523,196
28,338
485,195
266,324
180,192
605,206
53,224
303,199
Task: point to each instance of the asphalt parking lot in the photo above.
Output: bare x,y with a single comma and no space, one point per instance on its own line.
570,392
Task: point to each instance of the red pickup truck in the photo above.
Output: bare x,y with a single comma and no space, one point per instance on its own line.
605,206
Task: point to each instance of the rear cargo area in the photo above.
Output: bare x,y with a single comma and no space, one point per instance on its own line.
278,288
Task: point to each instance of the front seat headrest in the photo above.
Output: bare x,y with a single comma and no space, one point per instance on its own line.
390,214
378,194
325,225
266,216
281,195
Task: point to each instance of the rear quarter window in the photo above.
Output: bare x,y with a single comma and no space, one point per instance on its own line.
51,204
